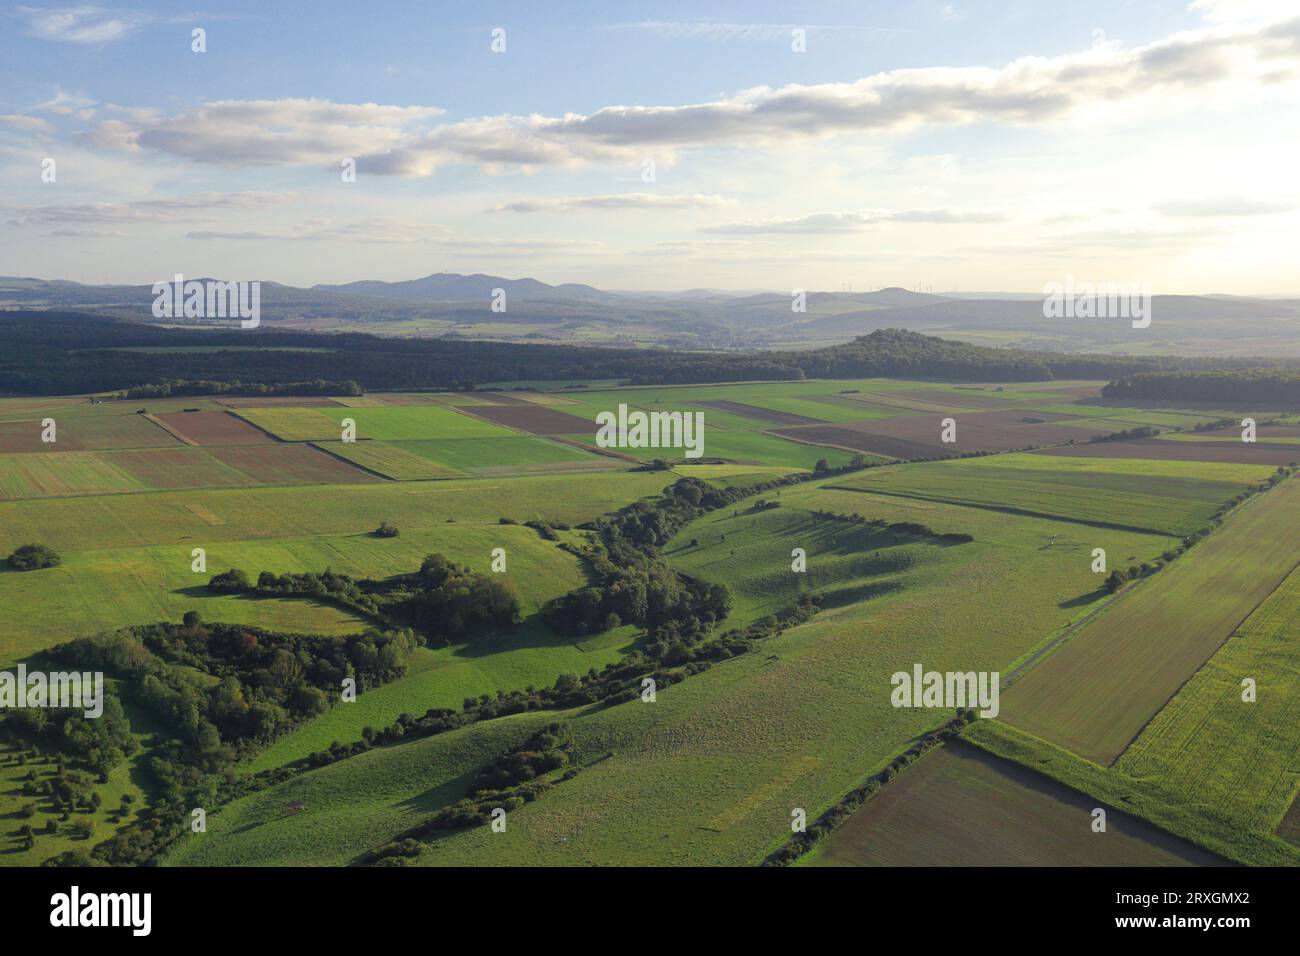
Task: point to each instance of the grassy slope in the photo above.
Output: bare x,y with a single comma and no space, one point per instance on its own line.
709,772
1176,498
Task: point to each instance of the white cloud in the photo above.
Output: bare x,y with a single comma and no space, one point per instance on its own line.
1213,206
829,223
616,201
180,208
84,24
392,140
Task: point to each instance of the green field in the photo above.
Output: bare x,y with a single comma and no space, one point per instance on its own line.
390,460
1094,695
1225,756
714,766
1170,497
383,423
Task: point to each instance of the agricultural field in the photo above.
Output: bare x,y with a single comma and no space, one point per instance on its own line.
719,759
1144,495
713,767
960,806
1095,694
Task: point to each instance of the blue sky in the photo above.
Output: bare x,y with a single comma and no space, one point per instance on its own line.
965,145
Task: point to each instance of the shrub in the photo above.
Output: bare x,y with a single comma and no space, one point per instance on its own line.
33,557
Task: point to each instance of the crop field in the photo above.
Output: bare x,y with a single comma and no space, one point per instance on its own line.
58,474
472,453
1222,755
534,419
281,464
84,433
708,774
959,806
209,516
1097,692
1259,453
391,460
1149,496
215,428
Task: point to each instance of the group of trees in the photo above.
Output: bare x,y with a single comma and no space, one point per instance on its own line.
1230,386
446,602
33,557
69,352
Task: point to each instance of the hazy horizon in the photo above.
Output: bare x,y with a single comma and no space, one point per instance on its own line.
946,146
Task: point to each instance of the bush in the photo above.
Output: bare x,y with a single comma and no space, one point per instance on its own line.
386,529
229,582
33,557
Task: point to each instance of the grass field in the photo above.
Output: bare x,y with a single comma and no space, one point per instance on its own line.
1095,694
714,766
1171,498
960,806
469,453
383,423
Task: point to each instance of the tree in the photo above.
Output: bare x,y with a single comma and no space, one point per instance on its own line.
822,465
229,582
192,619
1115,581
33,557
387,529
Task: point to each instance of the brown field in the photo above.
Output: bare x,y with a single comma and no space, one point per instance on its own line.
917,436
215,428
402,398
537,419
174,468
91,433
862,441
959,806
1158,449
288,464
762,414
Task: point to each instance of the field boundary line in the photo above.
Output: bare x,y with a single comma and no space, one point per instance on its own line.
1205,663
1022,512
183,439
356,465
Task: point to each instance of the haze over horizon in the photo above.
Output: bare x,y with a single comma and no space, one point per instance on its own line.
945,146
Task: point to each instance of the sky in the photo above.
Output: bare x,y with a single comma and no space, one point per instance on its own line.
964,146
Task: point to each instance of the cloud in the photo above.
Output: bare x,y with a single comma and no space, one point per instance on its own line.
831,223
618,201
398,232
180,208
84,24
399,141
28,124
749,32
267,132
1210,206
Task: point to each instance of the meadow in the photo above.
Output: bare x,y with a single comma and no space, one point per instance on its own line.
715,764
1157,496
